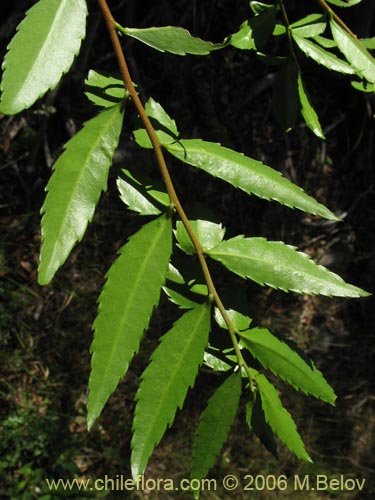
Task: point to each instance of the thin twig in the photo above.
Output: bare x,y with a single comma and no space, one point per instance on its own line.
337,18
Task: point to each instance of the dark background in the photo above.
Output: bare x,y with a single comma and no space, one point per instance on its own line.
45,332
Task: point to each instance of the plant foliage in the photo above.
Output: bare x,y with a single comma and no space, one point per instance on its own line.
42,50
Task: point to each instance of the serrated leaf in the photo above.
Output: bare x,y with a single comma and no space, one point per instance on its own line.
287,364
104,90
239,320
126,303
254,33
354,51
180,299
310,26
157,112
140,195
80,175
280,421
245,173
322,56
261,428
174,365
307,110
285,95
281,266
171,39
215,363
344,3
214,425
208,233
42,50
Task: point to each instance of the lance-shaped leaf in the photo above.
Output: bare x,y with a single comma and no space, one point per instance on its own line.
307,110
126,303
171,39
344,3
140,195
310,26
281,266
285,95
80,175
214,425
322,56
43,49
239,320
254,33
157,112
259,426
245,173
287,364
165,382
280,421
354,51
208,233
104,90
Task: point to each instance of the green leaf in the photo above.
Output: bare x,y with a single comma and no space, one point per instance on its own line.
42,50
215,363
354,51
156,111
214,425
308,112
174,365
364,86
140,195
259,7
239,320
79,176
248,174
344,3
208,233
279,419
142,139
368,43
285,95
287,364
310,26
325,42
171,39
104,90
126,303
322,56
260,427
278,265
255,32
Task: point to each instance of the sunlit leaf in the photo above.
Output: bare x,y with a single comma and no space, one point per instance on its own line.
156,111
279,419
214,425
239,320
245,173
354,51
254,33
208,233
80,175
279,265
287,364
310,26
322,56
104,90
344,3
171,39
174,365
126,303
307,110
42,50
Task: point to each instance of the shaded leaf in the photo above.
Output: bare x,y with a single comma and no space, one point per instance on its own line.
245,173
214,425
260,427
126,303
285,95
364,86
287,364
310,26
322,56
259,7
307,110
279,265
239,320
42,50
208,233
79,176
354,51
156,111
171,39
140,195
104,90
174,365
279,419
254,33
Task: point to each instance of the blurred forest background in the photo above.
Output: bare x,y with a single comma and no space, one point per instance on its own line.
45,332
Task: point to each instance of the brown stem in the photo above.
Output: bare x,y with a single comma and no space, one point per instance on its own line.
337,18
